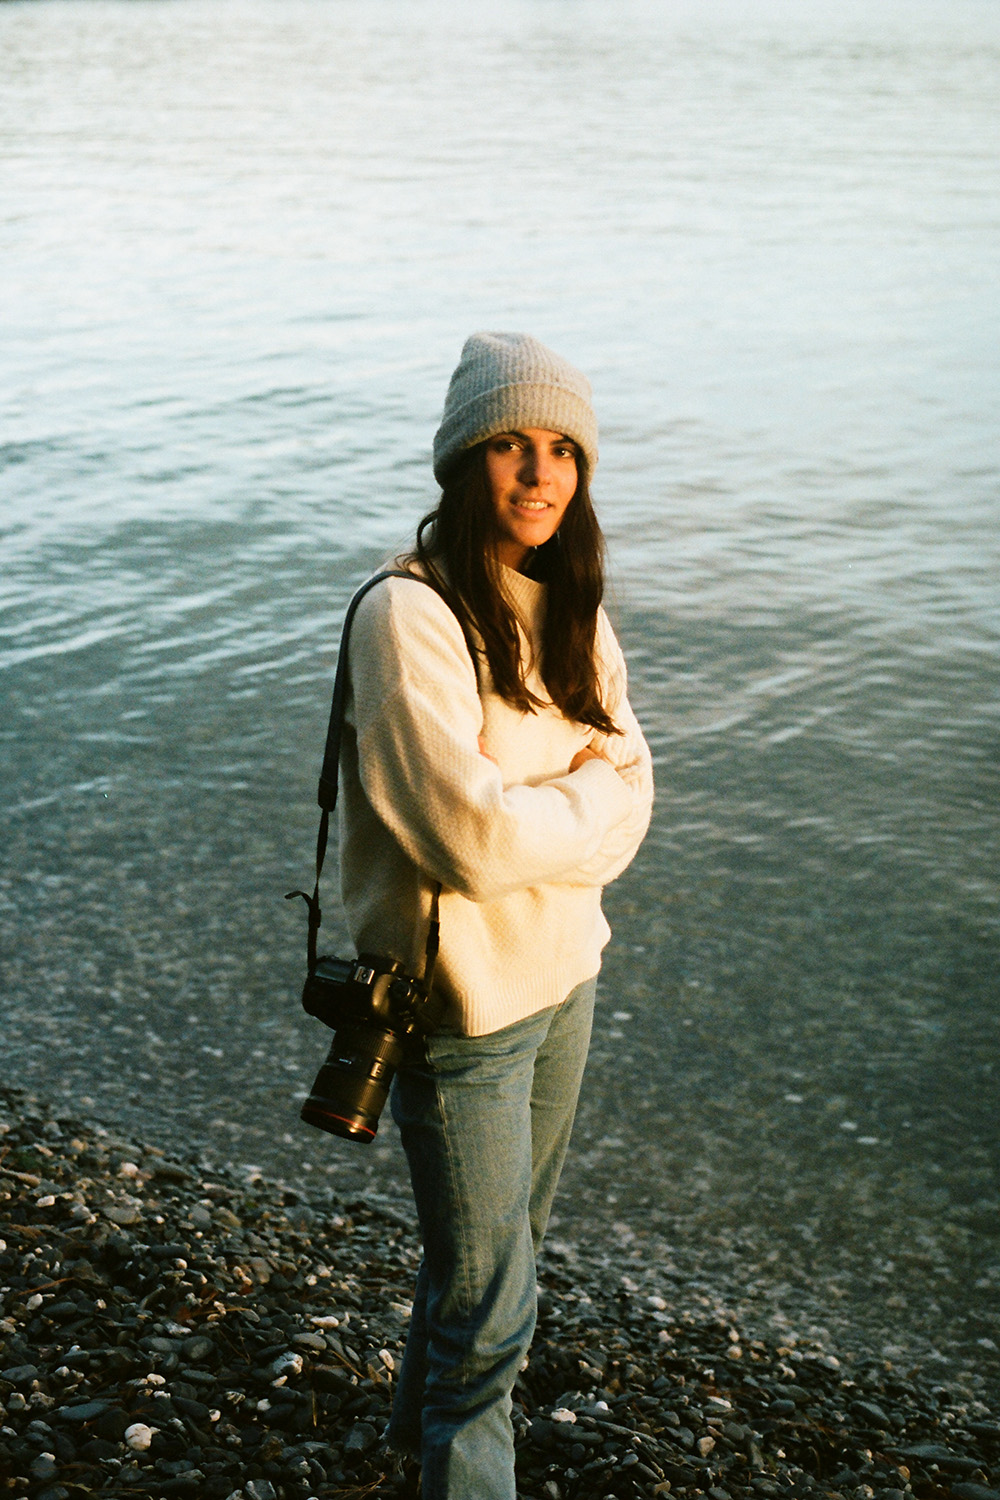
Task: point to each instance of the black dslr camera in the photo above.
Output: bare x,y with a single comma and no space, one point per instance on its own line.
372,1006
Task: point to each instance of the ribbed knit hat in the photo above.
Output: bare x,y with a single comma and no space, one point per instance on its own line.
506,382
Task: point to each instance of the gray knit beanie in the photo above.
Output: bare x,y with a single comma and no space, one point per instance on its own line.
506,382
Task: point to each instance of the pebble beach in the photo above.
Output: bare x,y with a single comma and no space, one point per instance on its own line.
176,1326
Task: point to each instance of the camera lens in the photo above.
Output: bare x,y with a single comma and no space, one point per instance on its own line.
353,1084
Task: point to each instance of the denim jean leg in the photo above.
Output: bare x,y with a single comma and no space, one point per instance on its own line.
475,1120
405,1430
555,1090
464,1119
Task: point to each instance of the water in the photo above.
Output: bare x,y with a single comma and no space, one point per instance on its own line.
242,245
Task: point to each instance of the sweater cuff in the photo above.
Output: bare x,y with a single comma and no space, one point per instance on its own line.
606,787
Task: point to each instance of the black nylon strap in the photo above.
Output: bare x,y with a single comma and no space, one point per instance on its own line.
329,776
329,785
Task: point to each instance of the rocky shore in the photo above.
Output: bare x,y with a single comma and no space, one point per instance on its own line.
172,1327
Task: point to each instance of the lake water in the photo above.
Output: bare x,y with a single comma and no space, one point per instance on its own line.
242,244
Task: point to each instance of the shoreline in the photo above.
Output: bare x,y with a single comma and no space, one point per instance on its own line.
172,1326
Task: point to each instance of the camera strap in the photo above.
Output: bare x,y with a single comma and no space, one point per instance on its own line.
329,784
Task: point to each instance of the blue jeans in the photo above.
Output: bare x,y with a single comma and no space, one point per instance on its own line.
485,1123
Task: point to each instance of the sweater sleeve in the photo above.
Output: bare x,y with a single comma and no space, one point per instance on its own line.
629,754
416,710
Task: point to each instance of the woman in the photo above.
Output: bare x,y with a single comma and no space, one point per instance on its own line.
490,746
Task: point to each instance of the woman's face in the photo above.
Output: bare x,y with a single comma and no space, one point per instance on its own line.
532,475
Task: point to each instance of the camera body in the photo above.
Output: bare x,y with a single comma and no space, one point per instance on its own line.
372,1006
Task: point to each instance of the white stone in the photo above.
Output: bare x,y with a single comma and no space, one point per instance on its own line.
138,1437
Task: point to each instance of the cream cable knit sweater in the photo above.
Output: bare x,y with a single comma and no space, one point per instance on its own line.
521,847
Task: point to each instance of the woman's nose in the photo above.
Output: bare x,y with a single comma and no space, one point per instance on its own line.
533,467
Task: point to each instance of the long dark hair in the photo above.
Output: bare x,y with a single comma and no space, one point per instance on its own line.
457,547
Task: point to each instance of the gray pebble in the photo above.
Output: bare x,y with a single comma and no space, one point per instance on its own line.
867,1411
260,1489
310,1341
361,1438
122,1214
197,1349
85,1412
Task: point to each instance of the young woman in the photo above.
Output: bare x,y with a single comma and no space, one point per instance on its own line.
490,747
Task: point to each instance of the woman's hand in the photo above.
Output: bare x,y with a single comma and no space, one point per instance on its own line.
580,758
587,753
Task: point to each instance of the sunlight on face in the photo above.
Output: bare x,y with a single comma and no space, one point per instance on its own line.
533,477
